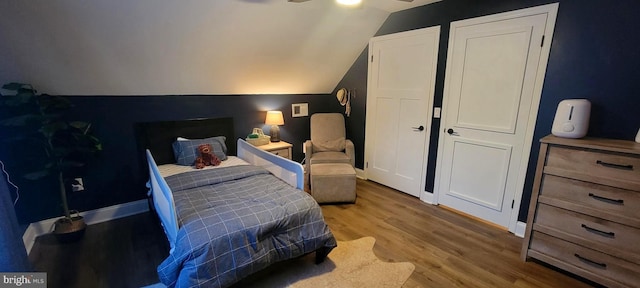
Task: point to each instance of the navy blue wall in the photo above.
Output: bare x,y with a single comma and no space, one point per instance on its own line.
115,177
594,55
356,81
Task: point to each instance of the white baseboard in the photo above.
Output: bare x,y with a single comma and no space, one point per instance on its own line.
360,174
521,227
427,197
39,228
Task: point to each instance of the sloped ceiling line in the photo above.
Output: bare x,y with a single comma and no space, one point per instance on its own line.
164,47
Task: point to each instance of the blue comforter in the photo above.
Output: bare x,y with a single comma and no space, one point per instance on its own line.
236,221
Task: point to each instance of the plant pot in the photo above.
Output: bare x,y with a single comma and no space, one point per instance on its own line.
69,229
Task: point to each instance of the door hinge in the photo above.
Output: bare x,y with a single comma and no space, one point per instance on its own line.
513,202
542,41
371,58
367,165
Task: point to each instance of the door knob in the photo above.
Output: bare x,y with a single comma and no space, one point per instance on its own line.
421,128
451,132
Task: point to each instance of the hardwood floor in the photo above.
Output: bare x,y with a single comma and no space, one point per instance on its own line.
447,249
118,253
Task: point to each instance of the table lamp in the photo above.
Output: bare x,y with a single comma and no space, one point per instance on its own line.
274,118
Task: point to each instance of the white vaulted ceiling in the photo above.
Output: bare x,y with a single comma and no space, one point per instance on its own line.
166,47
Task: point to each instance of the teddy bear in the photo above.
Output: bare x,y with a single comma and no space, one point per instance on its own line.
206,158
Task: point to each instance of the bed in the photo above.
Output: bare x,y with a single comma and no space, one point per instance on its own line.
225,223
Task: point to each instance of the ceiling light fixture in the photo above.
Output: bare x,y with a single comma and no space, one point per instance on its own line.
349,2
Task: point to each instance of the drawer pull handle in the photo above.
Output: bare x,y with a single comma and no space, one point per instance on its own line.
605,199
617,166
599,264
599,232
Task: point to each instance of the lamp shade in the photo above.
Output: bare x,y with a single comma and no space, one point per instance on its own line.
274,118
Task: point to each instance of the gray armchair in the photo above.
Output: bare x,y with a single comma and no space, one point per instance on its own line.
328,142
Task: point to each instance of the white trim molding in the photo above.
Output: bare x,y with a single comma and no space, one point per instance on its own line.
521,227
39,228
427,197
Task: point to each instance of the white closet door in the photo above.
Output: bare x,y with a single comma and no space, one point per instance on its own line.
400,90
495,69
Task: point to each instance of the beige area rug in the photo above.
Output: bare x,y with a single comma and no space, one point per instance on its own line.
351,264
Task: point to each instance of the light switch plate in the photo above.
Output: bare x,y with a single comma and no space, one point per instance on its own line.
436,112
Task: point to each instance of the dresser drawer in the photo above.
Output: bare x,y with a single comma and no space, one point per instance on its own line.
281,152
596,164
584,215
610,237
586,262
588,198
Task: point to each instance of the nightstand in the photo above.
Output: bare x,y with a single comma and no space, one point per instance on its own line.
282,149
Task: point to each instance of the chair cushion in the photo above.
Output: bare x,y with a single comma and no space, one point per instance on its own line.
328,132
329,145
326,169
329,157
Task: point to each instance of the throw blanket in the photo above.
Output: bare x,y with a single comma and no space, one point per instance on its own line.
236,221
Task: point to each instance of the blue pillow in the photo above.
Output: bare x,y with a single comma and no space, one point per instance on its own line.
186,150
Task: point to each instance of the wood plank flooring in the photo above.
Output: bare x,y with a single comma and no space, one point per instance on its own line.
118,253
448,249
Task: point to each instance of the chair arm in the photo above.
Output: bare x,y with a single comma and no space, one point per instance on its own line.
350,151
308,148
308,151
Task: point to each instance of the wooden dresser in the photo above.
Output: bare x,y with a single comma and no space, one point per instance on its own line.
584,215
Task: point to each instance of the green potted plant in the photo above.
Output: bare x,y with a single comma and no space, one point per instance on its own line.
66,145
